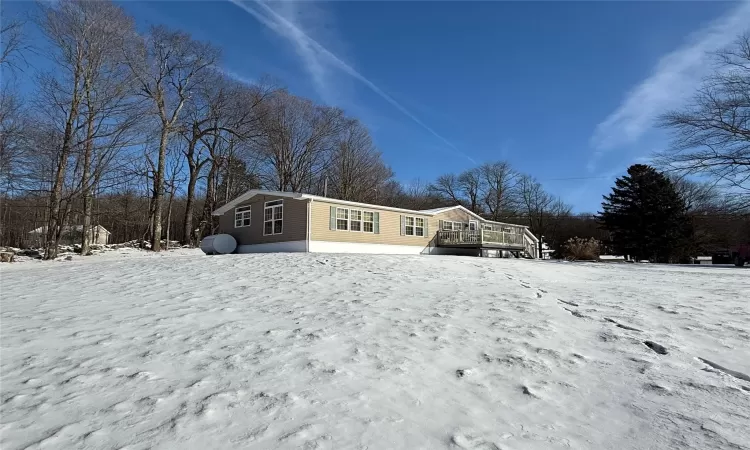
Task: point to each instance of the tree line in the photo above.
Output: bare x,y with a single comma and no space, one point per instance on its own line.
144,134
665,215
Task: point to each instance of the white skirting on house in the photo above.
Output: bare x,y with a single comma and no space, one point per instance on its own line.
350,247
275,247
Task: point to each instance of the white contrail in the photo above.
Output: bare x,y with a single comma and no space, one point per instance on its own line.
310,49
674,80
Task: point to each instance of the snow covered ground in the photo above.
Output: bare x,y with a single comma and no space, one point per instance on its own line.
185,351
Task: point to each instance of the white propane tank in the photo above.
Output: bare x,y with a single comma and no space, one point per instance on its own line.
218,244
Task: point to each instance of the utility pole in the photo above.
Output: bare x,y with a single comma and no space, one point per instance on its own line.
325,187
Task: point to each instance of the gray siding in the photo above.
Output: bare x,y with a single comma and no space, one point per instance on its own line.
295,222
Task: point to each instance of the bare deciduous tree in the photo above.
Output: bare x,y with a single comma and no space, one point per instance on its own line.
712,134
12,39
357,170
296,142
167,65
466,188
542,210
499,179
447,187
78,31
14,123
471,184
108,110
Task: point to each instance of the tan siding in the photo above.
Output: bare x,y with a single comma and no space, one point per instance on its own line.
455,215
295,222
390,227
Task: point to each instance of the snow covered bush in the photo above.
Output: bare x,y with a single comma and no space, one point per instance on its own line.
580,248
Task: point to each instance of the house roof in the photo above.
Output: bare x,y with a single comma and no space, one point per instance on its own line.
68,229
299,196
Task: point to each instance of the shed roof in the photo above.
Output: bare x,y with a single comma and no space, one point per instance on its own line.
69,228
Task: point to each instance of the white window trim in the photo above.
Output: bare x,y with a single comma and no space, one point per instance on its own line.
348,228
275,204
351,219
455,226
372,222
361,221
406,225
243,210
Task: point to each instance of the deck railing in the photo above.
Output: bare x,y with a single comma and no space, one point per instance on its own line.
481,237
530,243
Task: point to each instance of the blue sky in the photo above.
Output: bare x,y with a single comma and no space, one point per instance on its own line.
565,91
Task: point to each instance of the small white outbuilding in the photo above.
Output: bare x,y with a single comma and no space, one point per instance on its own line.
71,235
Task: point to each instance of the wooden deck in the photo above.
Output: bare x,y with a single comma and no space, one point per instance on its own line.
485,239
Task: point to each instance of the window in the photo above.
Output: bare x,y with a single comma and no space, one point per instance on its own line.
355,220
487,227
369,222
345,219
273,217
419,229
242,216
413,226
452,226
342,219
409,229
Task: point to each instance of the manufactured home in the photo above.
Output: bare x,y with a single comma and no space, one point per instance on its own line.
267,221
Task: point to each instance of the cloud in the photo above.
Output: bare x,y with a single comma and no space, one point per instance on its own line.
673,81
320,62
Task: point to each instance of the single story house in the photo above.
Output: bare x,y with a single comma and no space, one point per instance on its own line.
71,235
269,221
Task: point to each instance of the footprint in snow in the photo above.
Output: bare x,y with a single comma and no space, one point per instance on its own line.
658,348
657,388
469,440
526,391
574,313
668,311
619,325
734,373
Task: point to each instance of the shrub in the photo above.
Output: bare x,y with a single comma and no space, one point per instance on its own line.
579,248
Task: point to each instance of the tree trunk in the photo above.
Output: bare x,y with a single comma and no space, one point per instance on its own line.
159,190
85,178
208,207
169,212
188,219
54,219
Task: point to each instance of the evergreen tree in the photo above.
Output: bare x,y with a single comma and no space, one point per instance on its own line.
646,217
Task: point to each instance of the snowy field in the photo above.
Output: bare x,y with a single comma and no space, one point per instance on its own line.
130,350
